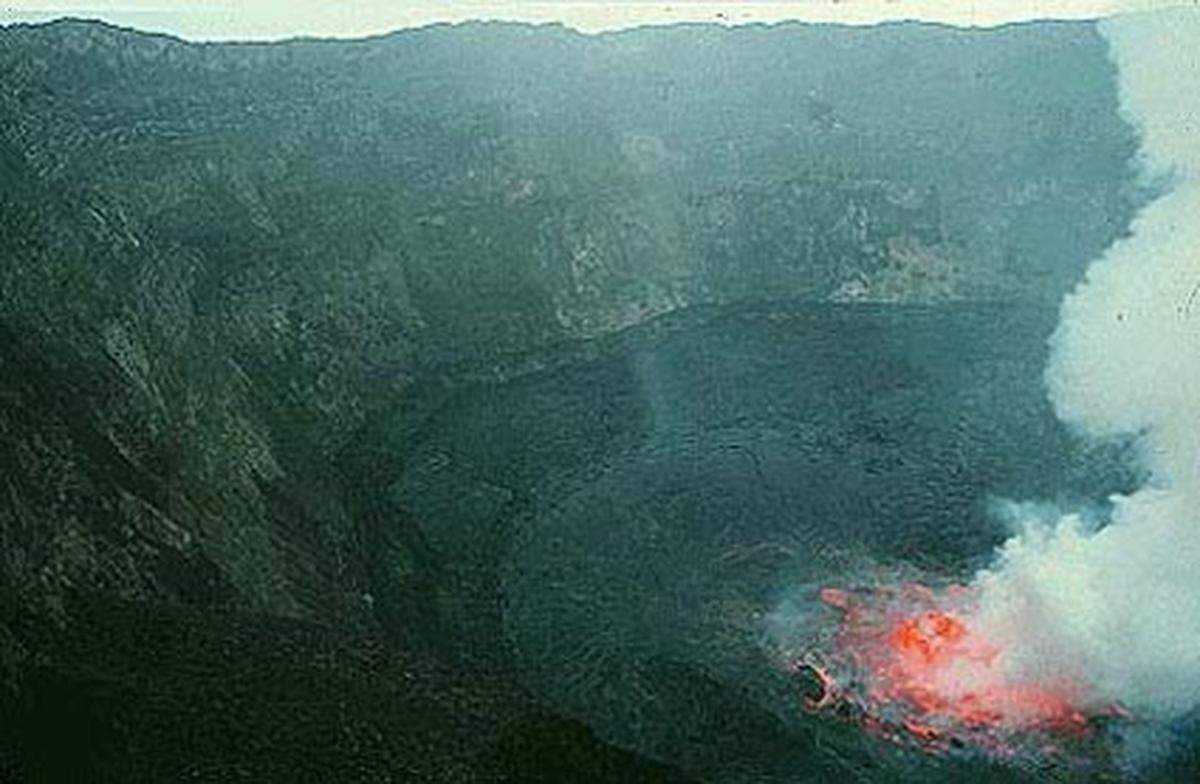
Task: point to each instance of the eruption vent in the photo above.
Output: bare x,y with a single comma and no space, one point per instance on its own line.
910,663
1076,621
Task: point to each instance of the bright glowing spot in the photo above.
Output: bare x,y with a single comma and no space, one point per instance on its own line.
908,663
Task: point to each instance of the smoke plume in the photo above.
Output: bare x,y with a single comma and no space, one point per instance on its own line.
1118,607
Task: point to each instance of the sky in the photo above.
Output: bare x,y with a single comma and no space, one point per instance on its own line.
278,19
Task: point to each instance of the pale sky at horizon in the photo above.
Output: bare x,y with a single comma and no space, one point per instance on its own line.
276,19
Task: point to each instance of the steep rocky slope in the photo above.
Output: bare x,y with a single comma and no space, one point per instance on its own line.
223,266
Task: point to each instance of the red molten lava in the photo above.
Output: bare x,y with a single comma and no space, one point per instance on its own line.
908,663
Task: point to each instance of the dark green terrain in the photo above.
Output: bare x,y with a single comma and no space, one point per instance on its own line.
304,345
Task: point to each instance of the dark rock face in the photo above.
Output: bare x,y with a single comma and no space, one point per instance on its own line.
224,267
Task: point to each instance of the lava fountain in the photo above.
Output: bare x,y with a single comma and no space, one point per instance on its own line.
909,664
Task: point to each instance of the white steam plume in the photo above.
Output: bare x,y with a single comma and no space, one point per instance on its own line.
1119,608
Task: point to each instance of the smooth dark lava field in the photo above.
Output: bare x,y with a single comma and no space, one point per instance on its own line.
677,486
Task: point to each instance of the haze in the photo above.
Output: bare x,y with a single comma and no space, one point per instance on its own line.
276,19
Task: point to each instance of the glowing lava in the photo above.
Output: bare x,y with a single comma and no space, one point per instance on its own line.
907,663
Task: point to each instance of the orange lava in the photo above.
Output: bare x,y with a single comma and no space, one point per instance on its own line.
909,662
927,637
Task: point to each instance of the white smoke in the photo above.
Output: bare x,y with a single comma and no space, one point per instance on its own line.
1119,608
